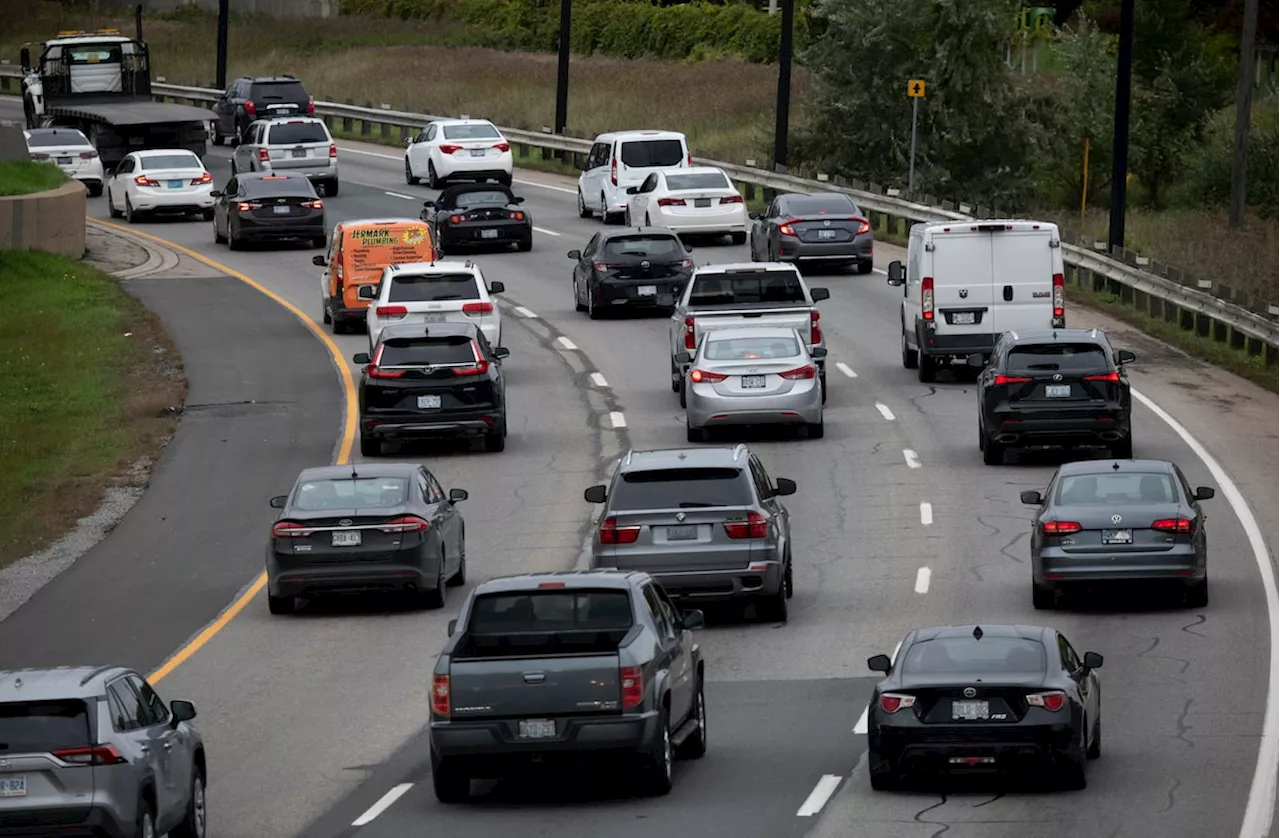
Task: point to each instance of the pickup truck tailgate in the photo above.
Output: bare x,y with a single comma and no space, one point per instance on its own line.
545,687
797,319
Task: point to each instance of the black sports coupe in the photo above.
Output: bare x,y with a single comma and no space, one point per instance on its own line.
478,214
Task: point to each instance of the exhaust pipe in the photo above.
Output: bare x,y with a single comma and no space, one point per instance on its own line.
1007,438
1110,436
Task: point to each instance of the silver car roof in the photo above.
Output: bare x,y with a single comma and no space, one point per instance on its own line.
55,683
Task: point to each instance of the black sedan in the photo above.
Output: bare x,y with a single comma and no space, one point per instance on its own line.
984,697
820,228
363,528
637,267
257,206
478,214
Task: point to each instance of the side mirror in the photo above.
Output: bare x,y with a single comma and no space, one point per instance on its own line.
497,287
279,501
501,352
519,199
819,294
1092,660
818,352
688,248
895,275
595,494
318,261
453,625
457,495
879,663
183,711
427,205
409,140
693,619
366,292
217,193
26,59
785,487
1204,493
754,216
684,358
575,254
360,358
1124,356
631,190
976,361
1031,498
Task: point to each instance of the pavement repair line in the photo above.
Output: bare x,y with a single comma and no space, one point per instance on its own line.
524,312
398,195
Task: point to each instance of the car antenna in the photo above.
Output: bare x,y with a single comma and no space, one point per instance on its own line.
977,632
354,476
1115,466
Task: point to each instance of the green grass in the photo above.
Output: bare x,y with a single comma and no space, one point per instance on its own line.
82,393
26,177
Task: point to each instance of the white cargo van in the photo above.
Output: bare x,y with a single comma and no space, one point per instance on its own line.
625,158
968,282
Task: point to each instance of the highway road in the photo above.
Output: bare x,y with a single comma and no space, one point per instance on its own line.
313,722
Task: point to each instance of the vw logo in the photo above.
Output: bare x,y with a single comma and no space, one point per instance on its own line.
345,522
970,692
1057,376
680,516
826,223
964,293
645,263
1115,519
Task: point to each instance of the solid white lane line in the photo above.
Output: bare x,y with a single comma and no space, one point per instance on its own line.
524,312
926,513
844,368
885,411
547,232
912,458
617,419
598,380
566,343
922,580
398,195
819,796
383,804
860,726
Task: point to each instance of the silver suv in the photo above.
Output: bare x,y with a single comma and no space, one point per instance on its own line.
300,145
705,522
94,752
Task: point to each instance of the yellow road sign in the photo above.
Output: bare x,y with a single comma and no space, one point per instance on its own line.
915,88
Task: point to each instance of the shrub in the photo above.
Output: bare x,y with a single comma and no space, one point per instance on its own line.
1209,179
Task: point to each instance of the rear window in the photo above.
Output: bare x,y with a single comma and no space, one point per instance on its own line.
63,137
820,204
645,153
758,287
1116,489
1063,357
481,196
278,91
702,180
294,133
278,185
433,288
169,161
686,488
43,726
426,352
966,656
498,614
471,132
642,246
363,492
749,349
95,54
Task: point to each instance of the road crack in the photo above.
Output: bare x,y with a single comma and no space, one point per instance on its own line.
1183,727
915,400
1177,783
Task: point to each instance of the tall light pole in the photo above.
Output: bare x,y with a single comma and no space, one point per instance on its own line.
1120,146
562,69
1244,114
784,84
224,15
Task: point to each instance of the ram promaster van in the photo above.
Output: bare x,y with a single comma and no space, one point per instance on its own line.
967,282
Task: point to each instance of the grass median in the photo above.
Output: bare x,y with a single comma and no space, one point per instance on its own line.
25,177
87,375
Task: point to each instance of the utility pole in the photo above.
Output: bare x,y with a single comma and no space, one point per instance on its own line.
1244,115
1120,145
224,20
562,69
783,114
915,90
137,20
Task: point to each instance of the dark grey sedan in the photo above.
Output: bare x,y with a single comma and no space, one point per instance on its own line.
366,528
825,228
1119,520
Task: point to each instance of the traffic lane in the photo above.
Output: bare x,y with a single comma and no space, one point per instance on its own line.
771,743
244,423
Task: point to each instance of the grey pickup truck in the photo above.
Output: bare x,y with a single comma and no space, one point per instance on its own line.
744,294
554,666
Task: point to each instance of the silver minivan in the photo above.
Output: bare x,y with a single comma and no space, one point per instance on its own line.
293,145
622,159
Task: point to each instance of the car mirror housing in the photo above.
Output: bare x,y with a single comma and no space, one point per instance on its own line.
596,494
1092,660
785,487
279,501
879,663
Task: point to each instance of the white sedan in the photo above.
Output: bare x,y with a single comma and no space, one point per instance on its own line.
458,149
160,181
696,200
70,151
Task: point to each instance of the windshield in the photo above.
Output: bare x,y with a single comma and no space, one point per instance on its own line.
967,656
153,162
1126,489
551,611
432,288
294,133
702,180
1059,357
649,153
680,487
821,205
61,137
750,349
426,352
665,247
471,132
345,493
755,287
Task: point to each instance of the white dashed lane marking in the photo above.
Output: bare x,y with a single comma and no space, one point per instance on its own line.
926,513
547,232
922,580
598,380
398,195
566,343
617,419
912,458
885,411
524,312
844,368
382,805
819,796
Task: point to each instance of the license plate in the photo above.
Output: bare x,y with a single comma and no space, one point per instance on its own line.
13,785
682,533
299,152
962,318
175,184
1117,536
280,210
64,161
1057,391
433,317
970,710
702,202
428,402
826,234
647,290
477,152
752,382
488,234
346,538
537,728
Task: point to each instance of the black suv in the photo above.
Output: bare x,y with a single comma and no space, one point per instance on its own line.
248,99
639,267
1062,387
432,381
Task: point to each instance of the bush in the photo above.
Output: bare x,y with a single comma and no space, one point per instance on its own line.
1209,179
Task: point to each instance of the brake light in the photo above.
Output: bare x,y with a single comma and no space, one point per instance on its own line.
893,702
516,215
1181,526
204,178
316,204
374,371
731,199
754,527
503,147
1012,379
457,219
613,171
264,155
1059,527
550,585
440,695
926,298
477,308
786,229
1113,377
1053,701
97,755
333,149
688,334
88,155
245,206
686,263
143,180
391,311
450,149
806,372
250,108
602,267
864,226
288,529
611,533
409,523
631,679
815,331
481,365
1059,295
311,104
699,376
671,202
689,159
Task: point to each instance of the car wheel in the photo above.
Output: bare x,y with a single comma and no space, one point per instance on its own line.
772,608
1043,599
583,212
450,784
506,180
1122,449
146,820
1095,747
525,245
927,369
696,434
129,214
675,378
368,447
233,241
813,431
1197,595
884,776
592,311
647,222
193,822
434,600
460,578
1072,771
218,238
331,188
787,582
910,357
865,267
111,206
695,747
495,441
657,765
206,215
822,382
325,317
993,453
433,180
577,297
94,190
626,218
408,173
739,238
281,604
233,167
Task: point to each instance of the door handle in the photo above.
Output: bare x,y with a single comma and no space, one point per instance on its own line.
144,749
1008,293
168,746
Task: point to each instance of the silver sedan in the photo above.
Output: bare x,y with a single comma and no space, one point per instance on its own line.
753,376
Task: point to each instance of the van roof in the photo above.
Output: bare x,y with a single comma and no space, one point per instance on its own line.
1017,225
646,134
380,222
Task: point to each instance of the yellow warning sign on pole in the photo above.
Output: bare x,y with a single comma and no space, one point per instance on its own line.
915,88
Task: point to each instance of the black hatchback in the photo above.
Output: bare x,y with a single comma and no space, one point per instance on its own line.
639,267
256,206
434,381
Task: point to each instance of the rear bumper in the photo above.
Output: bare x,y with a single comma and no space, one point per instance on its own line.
97,822
920,747
1055,567
396,426
294,229
1030,427
295,579
965,343
155,201
626,292
758,578
325,172
487,739
472,232
706,409
710,221
859,249
484,168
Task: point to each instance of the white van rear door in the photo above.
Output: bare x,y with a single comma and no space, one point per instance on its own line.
1022,268
962,291
638,157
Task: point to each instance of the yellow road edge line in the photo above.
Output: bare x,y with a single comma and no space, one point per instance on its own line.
196,643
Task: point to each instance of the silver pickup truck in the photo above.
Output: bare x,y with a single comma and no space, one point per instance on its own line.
744,294
567,665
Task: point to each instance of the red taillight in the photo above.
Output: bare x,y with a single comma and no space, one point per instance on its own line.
1053,701
481,365
457,219
333,149
450,149
97,755
88,155
1059,527
926,298
391,311
550,585
786,229
686,263
245,206
631,679
250,108
864,226
143,180
477,308
440,695
754,527
689,159
264,155
893,702
1113,377
602,267
516,215
1012,379
815,331
731,199
1059,295
671,202
374,371
503,147
1181,526
688,334
316,204
611,533
805,372
311,104
613,171
409,523
700,376
204,178
288,529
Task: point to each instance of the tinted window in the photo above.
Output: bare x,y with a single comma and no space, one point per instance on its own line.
1065,357
43,726
819,204
97,54
966,656
702,180
433,288
747,349
758,287
650,246
293,133
170,161
363,492
425,352
481,196
471,132
278,91
1116,489
62,137
653,153
686,487
546,611
277,185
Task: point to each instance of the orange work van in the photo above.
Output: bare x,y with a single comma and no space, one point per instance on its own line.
358,251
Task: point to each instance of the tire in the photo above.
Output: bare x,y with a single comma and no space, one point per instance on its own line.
449,785
506,180
331,188
129,215
626,218
1095,747
146,821
1071,773
927,370
695,434
1043,599
495,441
408,173
325,316
525,245
233,167
695,747
194,823
94,190
814,431
910,357
592,312
577,298
993,453
739,238
233,241
882,773
822,382
772,608
433,181
675,378
111,208
281,604
459,579
1197,595
684,392
866,267
318,242
434,600
656,768
583,212
1122,449
206,215
368,447
340,326
787,583
218,238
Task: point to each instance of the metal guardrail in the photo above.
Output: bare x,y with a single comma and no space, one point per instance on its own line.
1210,309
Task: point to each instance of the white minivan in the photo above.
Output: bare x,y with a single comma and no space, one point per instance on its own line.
622,159
968,282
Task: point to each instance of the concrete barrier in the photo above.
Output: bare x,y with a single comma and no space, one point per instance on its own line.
51,221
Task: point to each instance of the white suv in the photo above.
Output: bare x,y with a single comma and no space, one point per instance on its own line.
300,145
433,292
458,149
623,159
